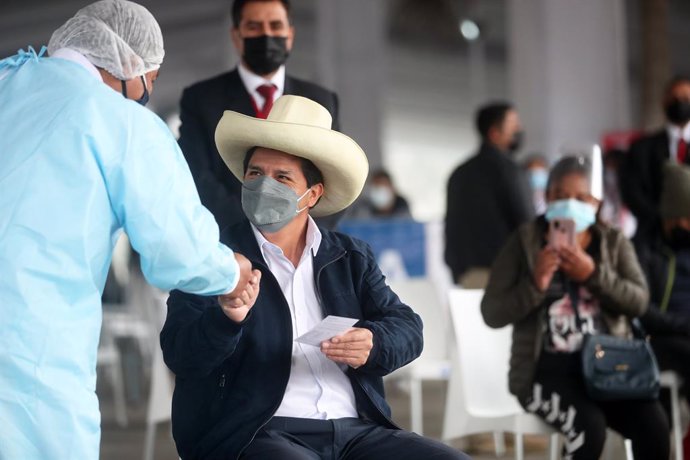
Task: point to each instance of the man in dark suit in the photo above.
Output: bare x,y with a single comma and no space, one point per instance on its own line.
263,37
641,178
488,198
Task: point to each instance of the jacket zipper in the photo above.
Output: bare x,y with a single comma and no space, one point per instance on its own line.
318,295
371,400
318,277
221,384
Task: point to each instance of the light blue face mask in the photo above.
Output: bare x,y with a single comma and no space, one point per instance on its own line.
583,214
269,204
538,179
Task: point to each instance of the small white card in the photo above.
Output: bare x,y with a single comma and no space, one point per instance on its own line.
326,330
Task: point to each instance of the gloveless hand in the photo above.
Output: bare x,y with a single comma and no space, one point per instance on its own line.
237,303
351,348
576,263
545,266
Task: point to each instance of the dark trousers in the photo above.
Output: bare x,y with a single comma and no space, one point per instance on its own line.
561,400
286,438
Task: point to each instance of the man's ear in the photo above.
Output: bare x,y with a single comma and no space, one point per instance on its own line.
237,41
290,38
316,194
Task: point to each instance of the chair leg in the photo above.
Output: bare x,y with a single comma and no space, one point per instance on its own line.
628,449
416,411
499,443
675,418
554,446
149,440
519,447
118,385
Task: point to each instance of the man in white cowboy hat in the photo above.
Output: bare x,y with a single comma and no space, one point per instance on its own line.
245,388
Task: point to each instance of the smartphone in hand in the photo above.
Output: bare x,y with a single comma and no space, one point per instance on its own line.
561,233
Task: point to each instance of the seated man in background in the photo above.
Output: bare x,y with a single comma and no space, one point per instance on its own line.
667,265
245,388
382,200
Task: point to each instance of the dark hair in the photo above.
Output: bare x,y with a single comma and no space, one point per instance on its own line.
238,6
675,81
535,158
569,165
491,115
312,174
381,174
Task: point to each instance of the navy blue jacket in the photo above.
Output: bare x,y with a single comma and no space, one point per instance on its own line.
230,378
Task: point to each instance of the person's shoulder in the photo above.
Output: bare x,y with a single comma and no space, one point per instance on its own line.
212,85
649,140
332,239
308,89
610,235
467,166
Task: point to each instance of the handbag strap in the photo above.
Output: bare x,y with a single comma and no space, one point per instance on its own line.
670,279
636,327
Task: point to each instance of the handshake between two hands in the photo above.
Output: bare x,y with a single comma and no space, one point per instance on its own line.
351,347
237,303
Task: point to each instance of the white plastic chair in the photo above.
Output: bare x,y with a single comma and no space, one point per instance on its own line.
478,400
160,402
162,381
672,381
110,359
433,364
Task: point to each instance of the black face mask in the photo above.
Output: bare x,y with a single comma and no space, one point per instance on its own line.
144,99
516,143
679,239
678,111
264,54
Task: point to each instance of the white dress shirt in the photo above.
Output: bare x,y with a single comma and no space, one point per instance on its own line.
318,387
674,135
252,81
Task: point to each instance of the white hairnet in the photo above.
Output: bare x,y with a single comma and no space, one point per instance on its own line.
119,36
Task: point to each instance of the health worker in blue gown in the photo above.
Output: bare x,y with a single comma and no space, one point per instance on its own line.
81,160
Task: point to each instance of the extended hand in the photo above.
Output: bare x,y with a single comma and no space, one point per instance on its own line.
245,268
351,348
238,302
576,263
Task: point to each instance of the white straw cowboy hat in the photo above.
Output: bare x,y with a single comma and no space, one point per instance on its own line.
298,126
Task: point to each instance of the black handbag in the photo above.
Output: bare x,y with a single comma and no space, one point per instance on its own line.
618,368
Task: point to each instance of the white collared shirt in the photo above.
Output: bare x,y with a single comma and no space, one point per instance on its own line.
318,387
74,56
252,81
674,135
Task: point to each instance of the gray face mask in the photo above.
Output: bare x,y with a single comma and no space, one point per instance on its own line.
269,204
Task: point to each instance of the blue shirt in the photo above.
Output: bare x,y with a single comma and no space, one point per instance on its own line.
79,163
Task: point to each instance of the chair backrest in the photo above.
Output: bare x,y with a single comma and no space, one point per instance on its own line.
421,295
482,357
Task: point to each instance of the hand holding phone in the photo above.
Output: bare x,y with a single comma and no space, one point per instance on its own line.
561,233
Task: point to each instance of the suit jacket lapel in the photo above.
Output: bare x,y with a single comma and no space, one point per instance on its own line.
288,88
238,99
664,146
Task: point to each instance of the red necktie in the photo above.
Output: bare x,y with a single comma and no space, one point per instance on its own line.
682,150
267,92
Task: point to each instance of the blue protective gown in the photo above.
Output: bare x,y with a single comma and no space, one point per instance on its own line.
79,163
